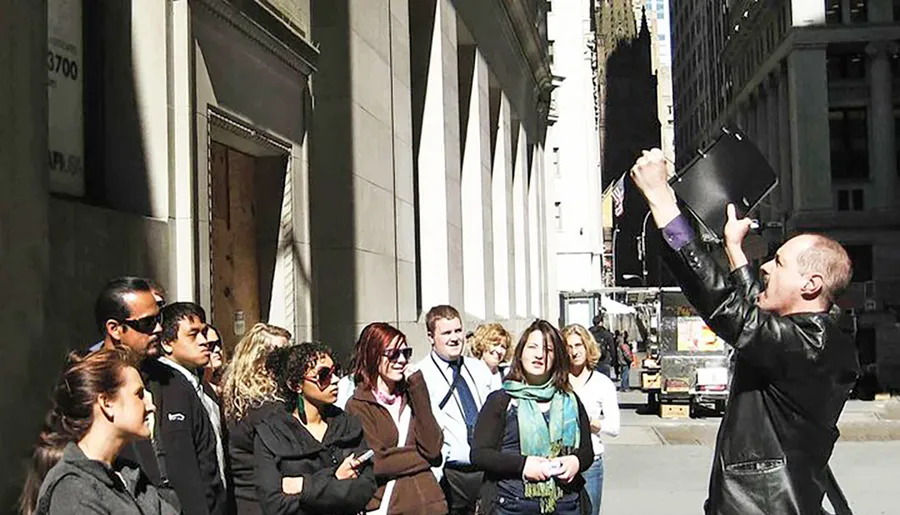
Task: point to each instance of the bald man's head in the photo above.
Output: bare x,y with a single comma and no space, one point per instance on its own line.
826,257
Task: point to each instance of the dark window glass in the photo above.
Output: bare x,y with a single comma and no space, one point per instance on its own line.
857,196
843,198
832,11
845,66
848,130
859,12
861,256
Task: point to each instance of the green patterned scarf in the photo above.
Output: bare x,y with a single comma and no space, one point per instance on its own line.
536,439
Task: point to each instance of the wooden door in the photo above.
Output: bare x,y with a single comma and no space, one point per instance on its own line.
235,268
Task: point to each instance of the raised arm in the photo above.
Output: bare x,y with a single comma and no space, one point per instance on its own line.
726,301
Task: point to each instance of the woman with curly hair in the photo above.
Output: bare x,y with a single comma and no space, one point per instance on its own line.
491,344
598,394
99,407
307,454
249,392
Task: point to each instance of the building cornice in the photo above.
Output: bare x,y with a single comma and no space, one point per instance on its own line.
526,37
260,24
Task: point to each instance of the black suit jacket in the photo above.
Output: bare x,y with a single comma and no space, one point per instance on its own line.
184,443
792,376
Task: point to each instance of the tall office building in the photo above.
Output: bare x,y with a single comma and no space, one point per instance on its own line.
813,83
572,156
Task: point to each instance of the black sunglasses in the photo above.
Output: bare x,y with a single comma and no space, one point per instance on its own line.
324,376
144,325
394,354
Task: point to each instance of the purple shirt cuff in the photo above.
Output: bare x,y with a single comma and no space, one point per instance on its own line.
678,233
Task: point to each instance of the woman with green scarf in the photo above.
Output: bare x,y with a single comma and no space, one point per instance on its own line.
533,437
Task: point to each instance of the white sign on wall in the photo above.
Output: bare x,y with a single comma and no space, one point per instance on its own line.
65,101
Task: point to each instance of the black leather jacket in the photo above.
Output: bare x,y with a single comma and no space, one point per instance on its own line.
792,376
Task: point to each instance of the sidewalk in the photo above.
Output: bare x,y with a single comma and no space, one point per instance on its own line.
861,421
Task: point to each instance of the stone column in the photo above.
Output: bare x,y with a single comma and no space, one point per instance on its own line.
784,143
501,212
519,252
882,151
30,363
808,99
774,152
440,219
476,169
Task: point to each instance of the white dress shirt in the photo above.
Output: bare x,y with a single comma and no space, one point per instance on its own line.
598,394
438,376
211,407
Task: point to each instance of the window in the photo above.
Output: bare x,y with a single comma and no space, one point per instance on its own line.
861,256
859,12
557,216
845,66
848,129
897,136
850,200
832,11
556,171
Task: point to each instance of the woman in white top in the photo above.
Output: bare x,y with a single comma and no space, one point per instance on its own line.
598,394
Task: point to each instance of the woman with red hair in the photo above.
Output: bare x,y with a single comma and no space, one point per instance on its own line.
395,411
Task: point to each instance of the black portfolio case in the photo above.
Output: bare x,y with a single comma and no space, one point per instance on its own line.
731,170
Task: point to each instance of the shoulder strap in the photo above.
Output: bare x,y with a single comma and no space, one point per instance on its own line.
449,394
157,440
835,494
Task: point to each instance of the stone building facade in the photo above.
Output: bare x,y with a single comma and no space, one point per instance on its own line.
814,84
318,164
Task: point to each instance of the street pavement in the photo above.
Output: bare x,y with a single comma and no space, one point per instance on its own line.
658,466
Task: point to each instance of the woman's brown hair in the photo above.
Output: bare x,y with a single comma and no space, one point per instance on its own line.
553,339
370,346
83,380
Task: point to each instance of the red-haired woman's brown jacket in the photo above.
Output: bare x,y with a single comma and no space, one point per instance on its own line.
416,491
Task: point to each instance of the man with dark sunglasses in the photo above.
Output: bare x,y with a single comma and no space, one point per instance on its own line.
127,313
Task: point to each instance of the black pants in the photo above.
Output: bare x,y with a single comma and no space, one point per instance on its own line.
461,488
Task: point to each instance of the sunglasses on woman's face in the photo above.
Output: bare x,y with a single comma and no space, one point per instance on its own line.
324,376
144,325
393,355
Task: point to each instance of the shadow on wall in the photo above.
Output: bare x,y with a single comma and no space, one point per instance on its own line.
114,230
91,239
331,181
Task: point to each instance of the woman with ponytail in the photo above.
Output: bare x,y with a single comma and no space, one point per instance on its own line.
307,454
99,406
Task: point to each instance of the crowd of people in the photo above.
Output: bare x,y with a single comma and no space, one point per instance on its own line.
156,419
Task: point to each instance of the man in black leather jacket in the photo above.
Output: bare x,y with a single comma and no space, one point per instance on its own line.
794,368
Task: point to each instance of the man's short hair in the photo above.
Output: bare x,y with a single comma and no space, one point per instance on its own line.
442,311
175,313
827,257
111,303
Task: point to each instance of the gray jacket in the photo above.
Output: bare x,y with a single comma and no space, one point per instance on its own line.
78,485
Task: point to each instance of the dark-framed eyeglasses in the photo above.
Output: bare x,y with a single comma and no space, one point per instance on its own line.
214,346
144,325
393,355
324,376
